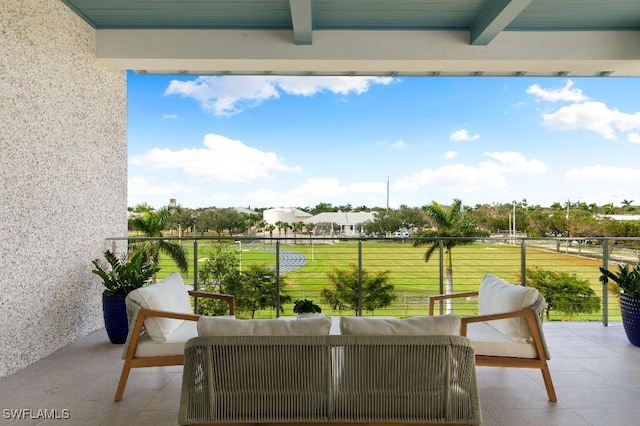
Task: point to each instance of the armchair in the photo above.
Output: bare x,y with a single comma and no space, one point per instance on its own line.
508,330
160,322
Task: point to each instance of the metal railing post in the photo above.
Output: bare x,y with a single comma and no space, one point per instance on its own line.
605,285
441,272
359,311
278,279
195,275
523,263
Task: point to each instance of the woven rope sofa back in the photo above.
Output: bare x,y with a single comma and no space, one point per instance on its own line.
335,378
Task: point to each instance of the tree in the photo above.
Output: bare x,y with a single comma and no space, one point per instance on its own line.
270,227
222,261
151,223
609,208
322,207
254,289
282,225
384,223
182,219
297,227
449,223
563,292
376,290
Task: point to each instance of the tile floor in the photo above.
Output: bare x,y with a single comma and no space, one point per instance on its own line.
596,373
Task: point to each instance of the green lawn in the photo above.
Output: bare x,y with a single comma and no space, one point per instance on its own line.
413,278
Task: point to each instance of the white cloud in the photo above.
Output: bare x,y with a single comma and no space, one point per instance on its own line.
633,137
140,189
228,95
449,155
308,86
169,116
314,190
458,177
594,116
468,178
463,135
221,159
554,95
398,144
515,162
601,173
370,187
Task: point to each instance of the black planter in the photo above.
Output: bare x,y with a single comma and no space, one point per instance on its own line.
630,308
115,318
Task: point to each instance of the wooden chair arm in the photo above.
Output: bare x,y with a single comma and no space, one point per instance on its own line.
219,296
144,313
433,299
528,313
139,323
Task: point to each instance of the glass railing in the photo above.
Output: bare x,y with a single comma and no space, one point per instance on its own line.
378,269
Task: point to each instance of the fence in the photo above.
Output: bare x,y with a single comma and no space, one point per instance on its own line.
303,266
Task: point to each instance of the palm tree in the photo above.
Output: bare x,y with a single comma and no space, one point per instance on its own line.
282,225
151,223
270,227
297,227
449,223
609,209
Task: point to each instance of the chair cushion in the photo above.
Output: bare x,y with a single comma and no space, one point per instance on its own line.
446,325
497,296
173,345
488,341
169,294
227,326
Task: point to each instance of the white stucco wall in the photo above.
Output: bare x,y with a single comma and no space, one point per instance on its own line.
63,177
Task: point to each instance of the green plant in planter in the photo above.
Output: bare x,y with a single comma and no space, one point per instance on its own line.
121,275
626,279
305,306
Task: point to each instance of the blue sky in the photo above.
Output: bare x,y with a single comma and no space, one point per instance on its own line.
270,141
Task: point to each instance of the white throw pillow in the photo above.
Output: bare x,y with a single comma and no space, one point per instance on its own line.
444,325
226,326
497,296
169,294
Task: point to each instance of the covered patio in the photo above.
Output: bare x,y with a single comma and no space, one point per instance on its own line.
595,370
63,176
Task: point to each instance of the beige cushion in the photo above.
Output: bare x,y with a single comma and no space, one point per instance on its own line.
225,326
488,341
497,296
444,325
169,294
173,345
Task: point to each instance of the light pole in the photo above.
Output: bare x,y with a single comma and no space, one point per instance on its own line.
240,249
514,222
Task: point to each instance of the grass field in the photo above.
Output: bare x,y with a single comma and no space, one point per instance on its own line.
413,278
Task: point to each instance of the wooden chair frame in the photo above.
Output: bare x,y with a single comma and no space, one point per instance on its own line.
539,362
131,361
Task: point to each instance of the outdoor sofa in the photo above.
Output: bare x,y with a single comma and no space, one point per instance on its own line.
378,370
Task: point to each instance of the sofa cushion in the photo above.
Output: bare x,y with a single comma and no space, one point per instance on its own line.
226,326
445,325
173,345
488,341
169,294
497,296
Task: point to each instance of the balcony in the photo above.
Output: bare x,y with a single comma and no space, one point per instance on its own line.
595,370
